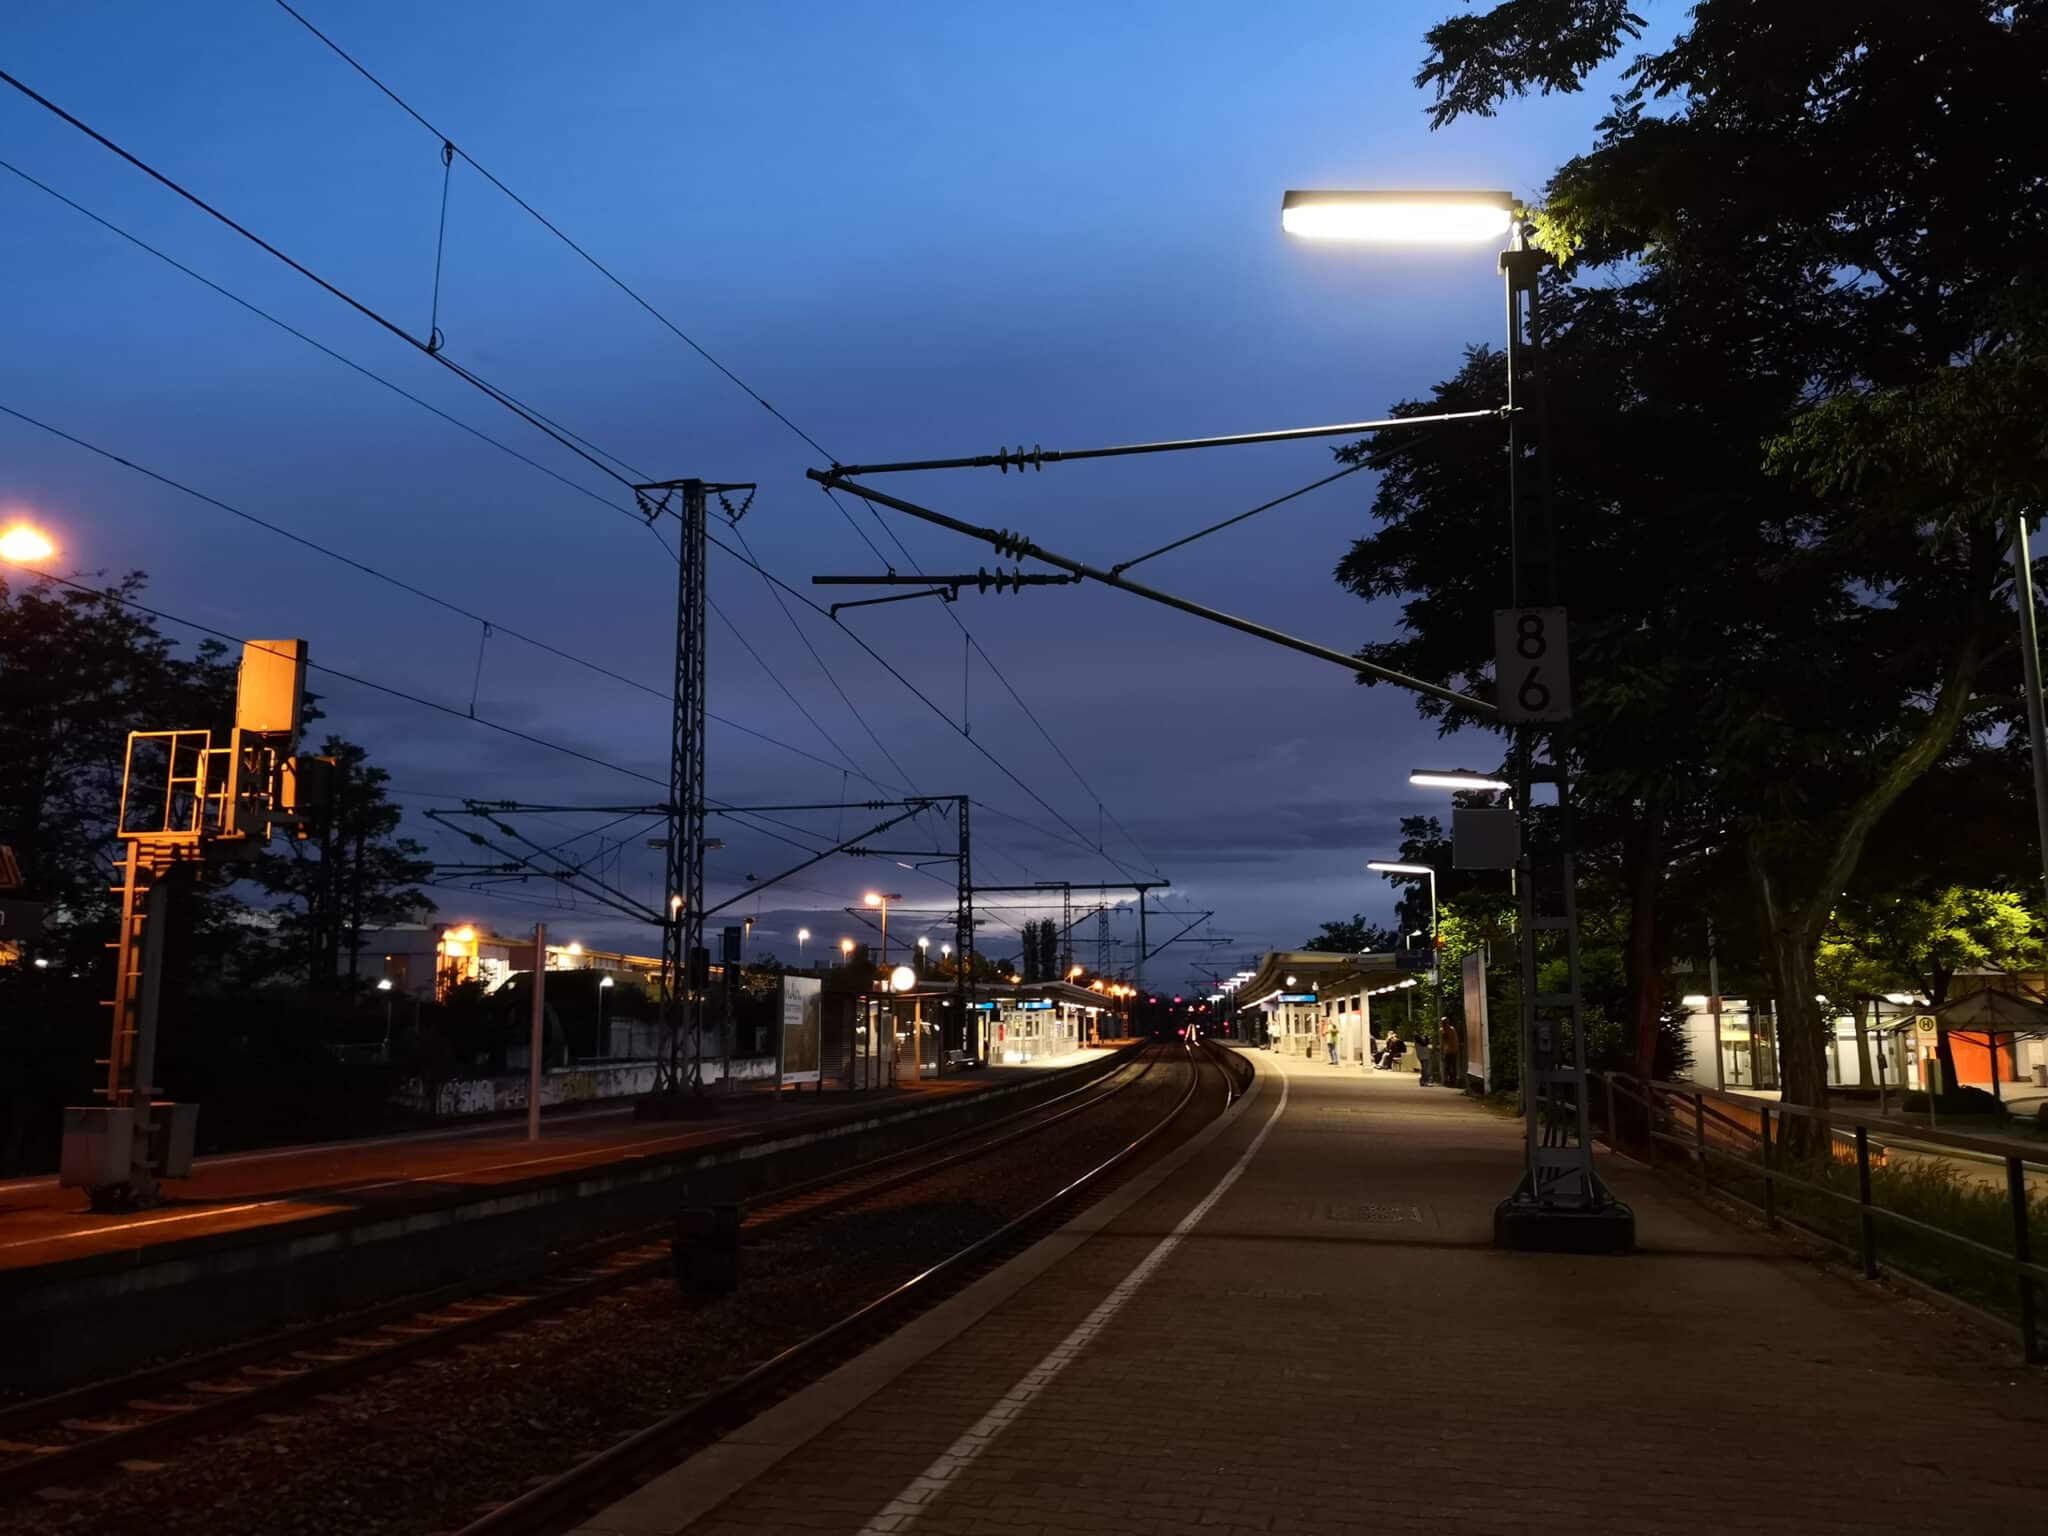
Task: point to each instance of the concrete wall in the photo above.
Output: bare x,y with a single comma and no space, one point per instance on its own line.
558,1085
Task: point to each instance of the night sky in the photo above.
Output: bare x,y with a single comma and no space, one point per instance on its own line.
918,230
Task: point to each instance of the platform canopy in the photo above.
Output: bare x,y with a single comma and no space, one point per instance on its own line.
1315,970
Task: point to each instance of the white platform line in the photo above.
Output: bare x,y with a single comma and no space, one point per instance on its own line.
900,1513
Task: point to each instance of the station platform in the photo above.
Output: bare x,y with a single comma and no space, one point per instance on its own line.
1297,1322
42,1223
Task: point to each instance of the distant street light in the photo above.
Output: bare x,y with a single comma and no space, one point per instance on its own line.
846,948
384,986
803,937
882,899
604,985
903,979
25,544
1398,216
1425,872
924,945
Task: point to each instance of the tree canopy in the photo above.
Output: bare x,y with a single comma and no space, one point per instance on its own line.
1792,339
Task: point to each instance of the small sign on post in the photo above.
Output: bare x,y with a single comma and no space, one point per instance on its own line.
1532,665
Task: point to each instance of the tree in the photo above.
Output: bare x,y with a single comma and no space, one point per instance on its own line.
1353,936
1797,184
1921,939
78,672
350,873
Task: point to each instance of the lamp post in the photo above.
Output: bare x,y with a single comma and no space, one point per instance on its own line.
882,899
1560,1201
384,986
924,944
846,950
1425,872
803,937
603,1045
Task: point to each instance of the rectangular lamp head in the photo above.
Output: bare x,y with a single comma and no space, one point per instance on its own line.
1399,217
1455,778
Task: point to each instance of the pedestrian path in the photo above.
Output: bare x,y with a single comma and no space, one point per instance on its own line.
1304,1327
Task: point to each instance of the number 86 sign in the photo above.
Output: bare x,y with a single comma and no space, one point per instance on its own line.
1532,664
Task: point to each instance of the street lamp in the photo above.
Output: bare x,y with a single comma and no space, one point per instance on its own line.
384,986
604,985
924,944
1436,1023
1455,778
882,899
1398,217
803,937
846,949
1560,1201
25,544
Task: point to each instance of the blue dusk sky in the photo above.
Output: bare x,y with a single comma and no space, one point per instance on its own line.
917,230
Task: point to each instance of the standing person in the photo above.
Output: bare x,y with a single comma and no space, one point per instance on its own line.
1330,1038
1448,1034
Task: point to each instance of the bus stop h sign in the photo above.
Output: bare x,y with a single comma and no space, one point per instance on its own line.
1531,665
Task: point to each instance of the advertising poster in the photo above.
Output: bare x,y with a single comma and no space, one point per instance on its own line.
1478,1038
801,1035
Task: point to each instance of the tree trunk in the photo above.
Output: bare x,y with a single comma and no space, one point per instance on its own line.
1788,946
1645,944
1866,1071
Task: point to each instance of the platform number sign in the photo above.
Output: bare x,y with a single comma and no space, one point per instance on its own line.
1532,664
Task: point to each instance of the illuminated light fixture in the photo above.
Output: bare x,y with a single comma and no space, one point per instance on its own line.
607,982
1075,971
23,544
675,905
1389,867
575,948
382,986
873,898
846,946
1454,778
1398,217
923,943
462,935
902,979
1694,1000
1290,981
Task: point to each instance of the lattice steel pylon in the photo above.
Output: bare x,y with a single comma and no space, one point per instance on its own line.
1560,1202
684,964
1105,952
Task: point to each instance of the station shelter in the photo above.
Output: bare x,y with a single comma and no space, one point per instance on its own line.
1038,1021
1300,996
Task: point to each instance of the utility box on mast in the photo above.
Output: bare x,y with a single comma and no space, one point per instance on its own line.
185,803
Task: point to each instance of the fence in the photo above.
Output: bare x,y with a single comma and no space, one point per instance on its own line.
1800,1178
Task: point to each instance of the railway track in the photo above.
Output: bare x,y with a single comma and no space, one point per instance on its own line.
70,1435
560,1502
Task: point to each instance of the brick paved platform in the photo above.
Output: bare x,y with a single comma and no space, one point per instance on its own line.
1333,1345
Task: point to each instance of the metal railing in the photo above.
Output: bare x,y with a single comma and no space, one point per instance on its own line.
1718,1129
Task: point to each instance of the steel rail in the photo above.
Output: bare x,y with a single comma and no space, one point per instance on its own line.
631,1259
